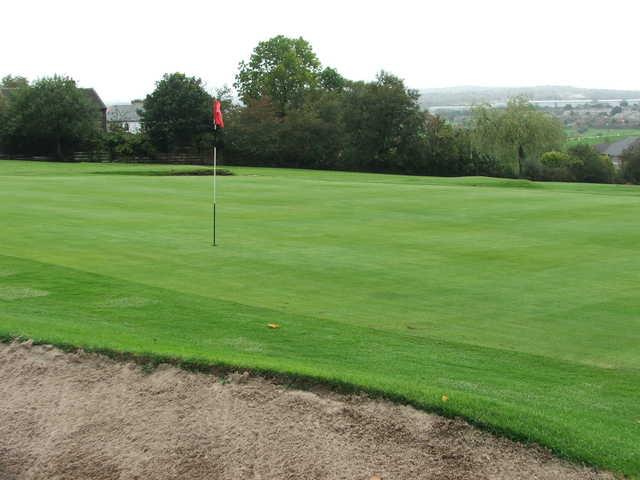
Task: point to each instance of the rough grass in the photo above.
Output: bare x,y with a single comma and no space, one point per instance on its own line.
516,300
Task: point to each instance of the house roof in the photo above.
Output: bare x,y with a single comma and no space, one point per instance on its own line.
124,113
94,97
616,149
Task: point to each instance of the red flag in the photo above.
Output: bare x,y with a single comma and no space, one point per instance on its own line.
217,114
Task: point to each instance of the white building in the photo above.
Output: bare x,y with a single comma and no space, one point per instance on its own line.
127,116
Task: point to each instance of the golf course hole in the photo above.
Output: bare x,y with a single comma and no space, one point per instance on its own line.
81,415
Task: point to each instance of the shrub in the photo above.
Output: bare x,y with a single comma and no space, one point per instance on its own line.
123,145
631,164
559,166
593,167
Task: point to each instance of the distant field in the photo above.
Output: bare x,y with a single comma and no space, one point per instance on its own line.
595,136
517,300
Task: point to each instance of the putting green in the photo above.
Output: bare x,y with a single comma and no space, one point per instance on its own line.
516,300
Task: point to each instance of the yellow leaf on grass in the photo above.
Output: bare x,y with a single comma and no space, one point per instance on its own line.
273,325
445,398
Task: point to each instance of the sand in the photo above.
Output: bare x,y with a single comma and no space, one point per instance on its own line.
84,416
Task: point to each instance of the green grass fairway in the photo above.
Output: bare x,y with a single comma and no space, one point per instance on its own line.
594,136
520,301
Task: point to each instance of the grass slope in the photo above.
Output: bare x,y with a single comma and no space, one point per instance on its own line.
517,300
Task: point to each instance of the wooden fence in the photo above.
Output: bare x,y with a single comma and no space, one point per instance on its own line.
91,157
26,157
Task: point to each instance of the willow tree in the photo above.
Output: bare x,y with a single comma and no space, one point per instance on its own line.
516,133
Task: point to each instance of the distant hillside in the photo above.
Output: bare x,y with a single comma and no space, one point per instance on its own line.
469,95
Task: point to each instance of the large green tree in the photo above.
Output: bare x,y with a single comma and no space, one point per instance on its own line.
631,163
280,68
51,115
178,112
384,126
298,114
307,137
516,133
449,150
8,88
590,166
11,81
4,120
331,80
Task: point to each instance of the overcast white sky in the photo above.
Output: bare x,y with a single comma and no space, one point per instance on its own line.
122,47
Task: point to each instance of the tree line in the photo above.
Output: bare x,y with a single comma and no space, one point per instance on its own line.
295,112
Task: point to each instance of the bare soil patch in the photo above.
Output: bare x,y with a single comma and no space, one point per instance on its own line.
81,416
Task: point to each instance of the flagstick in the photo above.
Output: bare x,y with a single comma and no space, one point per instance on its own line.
215,154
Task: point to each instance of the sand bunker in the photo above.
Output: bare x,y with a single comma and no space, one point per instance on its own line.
80,416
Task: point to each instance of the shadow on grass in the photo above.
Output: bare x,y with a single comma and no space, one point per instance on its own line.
168,173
